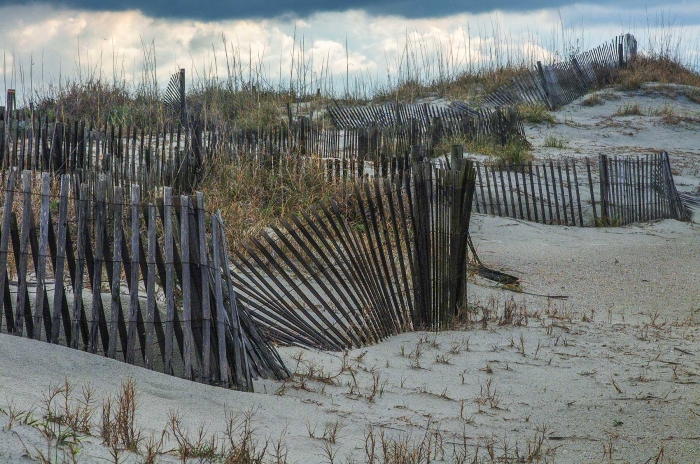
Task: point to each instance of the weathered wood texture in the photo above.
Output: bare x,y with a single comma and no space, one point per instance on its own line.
335,277
581,192
106,273
363,140
561,82
176,155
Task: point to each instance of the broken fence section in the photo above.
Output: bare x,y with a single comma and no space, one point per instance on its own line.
581,192
93,269
560,83
341,276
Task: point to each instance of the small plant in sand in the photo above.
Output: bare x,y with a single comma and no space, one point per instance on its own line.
118,428
593,100
629,110
554,141
488,394
387,446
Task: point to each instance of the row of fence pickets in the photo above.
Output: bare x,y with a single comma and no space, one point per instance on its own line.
173,248
603,192
176,156
396,114
335,278
328,278
552,85
562,82
86,152
211,324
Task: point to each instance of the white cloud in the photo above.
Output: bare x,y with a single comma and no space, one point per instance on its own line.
74,43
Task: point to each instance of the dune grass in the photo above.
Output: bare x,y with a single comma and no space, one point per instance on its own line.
253,193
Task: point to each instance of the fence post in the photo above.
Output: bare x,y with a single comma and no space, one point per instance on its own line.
456,156
621,55
604,183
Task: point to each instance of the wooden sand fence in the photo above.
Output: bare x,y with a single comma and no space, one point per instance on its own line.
176,155
88,267
341,276
581,192
562,82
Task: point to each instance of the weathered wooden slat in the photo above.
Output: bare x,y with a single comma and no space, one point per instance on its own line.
206,291
563,193
98,324
78,308
117,327
221,317
151,289
6,307
548,200
578,195
495,189
591,187
59,305
41,304
169,280
185,285
534,194
20,248
134,309
554,189
240,354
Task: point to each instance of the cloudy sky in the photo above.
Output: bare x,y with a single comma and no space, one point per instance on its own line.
314,43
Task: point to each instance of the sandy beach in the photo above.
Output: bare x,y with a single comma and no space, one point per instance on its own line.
607,370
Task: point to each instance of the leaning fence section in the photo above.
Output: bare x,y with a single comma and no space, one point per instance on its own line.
341,276
581,192
93,268
562,82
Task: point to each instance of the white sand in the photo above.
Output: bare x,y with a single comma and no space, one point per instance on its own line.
624,381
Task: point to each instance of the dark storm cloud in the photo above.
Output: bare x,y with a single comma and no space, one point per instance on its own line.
236,9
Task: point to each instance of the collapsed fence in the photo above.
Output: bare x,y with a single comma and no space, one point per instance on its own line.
396,114
560,83
603,192
391,260
553,85
168,303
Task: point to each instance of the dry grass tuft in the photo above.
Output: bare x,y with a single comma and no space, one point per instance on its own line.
660,69
629,110
118,429
593,100
536,114
253,193
515,152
